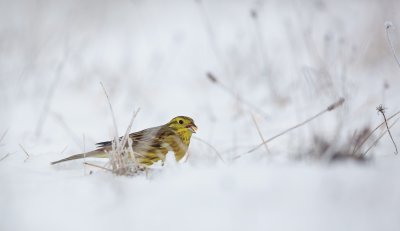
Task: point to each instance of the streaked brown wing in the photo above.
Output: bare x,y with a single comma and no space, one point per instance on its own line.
152,139
144,139
150,144
147,134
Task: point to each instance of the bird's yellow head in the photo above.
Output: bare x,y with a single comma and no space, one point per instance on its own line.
183,123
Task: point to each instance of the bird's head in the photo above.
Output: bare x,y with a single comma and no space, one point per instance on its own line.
180,123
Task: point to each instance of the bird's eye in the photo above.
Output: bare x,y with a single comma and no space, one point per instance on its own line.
180,121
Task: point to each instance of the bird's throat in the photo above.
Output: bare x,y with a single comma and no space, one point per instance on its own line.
185,135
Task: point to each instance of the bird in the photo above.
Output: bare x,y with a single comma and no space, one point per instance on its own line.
152,144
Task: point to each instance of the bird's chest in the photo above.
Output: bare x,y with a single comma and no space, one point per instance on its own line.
178,144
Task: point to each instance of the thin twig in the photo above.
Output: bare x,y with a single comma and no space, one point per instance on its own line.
212,147
389,25
63,150
114,159
354,140
119,162
112,114
84,153
329,108
376,141
5,156
27,154
4,135
97,166
128,129
382,111
260,134
214,80
122,164
115,144
370,134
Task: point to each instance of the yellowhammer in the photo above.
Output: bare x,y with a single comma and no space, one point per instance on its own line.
152,144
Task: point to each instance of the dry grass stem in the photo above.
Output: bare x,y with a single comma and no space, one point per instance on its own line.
4,135
260,134
97,166
212,147
382,111
84,153
357,147
377,140
112,113
357,138
214,80
329,108
26,153
388,26
122,157
63,150
126,135
5,156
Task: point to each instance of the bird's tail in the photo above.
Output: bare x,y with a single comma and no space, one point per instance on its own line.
95,153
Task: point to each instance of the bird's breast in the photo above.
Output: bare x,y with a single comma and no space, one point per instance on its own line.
178,144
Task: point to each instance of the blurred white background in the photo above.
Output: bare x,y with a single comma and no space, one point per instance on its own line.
289,59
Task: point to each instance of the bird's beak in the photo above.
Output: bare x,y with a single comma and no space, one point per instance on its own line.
192,128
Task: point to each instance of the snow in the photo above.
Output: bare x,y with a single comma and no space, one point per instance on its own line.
292,61
242,196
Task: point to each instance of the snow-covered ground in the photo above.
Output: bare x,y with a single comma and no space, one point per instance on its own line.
288,59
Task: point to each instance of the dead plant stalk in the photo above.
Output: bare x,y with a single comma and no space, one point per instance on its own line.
381,109
357,147
329,108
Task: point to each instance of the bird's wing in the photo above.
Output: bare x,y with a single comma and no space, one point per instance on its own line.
152,137
150,143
